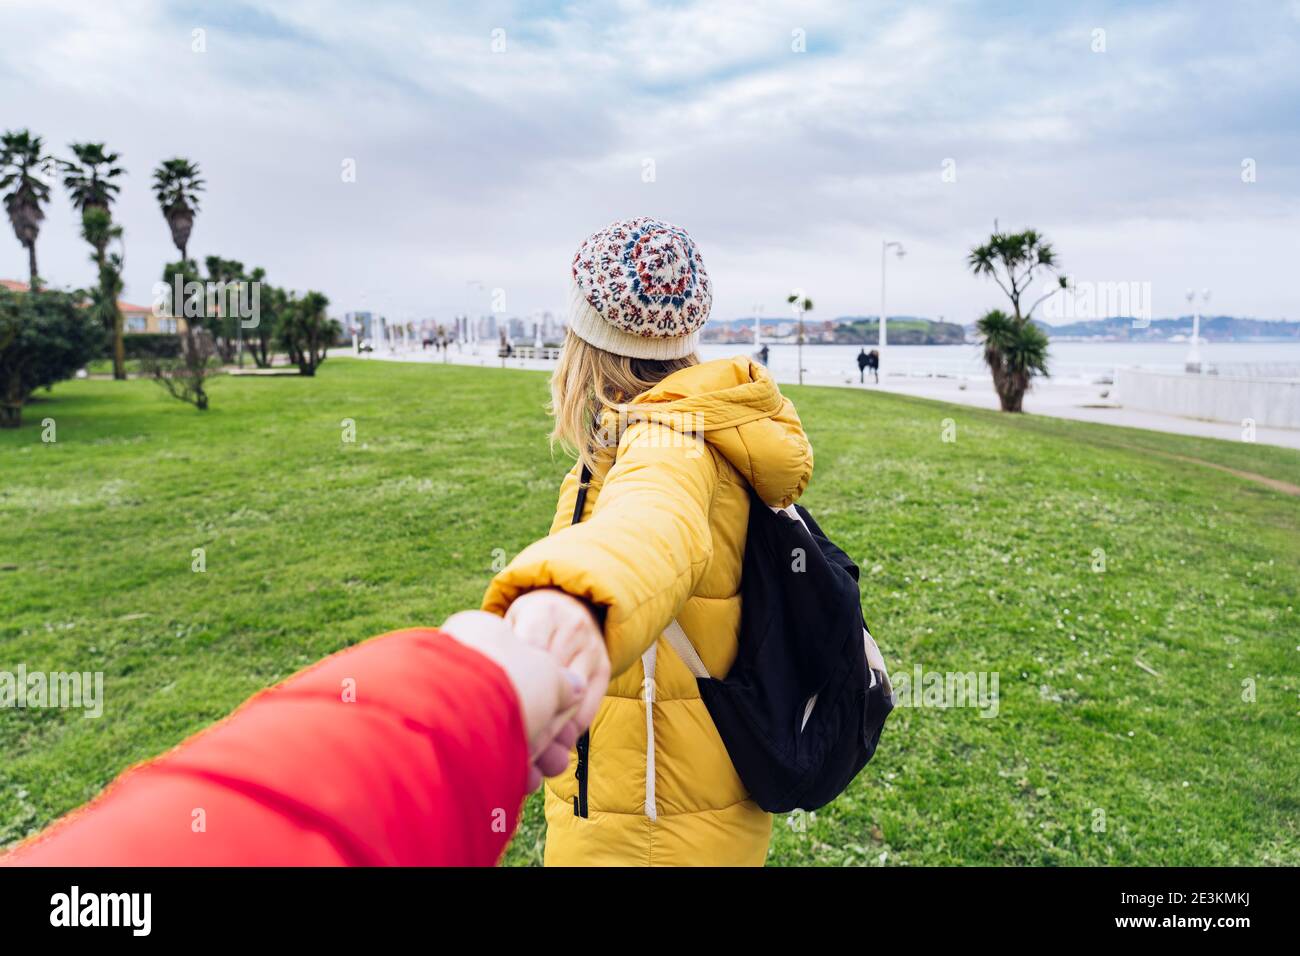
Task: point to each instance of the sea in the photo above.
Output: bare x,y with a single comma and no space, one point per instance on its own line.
1067,361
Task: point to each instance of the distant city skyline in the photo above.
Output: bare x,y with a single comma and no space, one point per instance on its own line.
420,162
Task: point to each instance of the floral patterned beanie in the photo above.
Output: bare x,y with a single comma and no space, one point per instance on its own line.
639,289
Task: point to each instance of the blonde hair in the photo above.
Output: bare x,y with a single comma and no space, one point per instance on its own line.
588,381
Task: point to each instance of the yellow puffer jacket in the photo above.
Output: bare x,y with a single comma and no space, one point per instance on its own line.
663,538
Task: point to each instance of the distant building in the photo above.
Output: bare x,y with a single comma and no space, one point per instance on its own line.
552,328
140,318
361,323
136,319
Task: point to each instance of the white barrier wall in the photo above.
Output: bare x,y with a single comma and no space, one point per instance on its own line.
1270,402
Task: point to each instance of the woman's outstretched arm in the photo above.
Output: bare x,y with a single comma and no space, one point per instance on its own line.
640,554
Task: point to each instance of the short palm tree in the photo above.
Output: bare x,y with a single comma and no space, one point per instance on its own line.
21,159
1015,353
177,185
1014,347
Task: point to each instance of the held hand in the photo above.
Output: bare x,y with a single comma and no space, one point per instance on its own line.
564,627
549,693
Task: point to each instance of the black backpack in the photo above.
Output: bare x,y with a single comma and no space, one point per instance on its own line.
802,709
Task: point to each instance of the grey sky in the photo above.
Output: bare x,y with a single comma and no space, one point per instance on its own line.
475,166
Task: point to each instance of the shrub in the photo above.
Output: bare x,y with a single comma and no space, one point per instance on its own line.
306,331
45,337
147,345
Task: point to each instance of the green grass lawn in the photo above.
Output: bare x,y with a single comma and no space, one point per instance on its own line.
979,554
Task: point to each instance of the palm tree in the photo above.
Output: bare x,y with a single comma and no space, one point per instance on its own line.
177,185
1014,348
306,331
97,229
1015,353
20,160
90,178
90,181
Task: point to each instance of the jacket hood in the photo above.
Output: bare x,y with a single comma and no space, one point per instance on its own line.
738,408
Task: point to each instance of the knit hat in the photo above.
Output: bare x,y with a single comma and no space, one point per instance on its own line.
639,289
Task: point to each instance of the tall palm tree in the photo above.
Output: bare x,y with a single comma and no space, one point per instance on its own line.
89,179
177,185
1014,348
20,161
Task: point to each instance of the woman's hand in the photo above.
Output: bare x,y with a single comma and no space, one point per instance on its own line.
564,627
549,693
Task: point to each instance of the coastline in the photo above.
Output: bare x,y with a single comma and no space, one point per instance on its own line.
1071,397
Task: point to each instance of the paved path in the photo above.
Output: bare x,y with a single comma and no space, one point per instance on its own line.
1086,403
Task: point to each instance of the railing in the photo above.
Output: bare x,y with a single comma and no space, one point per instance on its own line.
1090,373
530,353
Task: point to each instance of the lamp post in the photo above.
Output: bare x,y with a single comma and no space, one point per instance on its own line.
885,246
758,326
1194,353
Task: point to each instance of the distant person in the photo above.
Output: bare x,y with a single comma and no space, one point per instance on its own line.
863,362
873,363
668,451
763,355
411,749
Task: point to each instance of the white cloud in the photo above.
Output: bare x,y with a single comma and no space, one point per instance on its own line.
789,167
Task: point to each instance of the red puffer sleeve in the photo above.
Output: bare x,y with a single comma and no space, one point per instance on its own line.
406,750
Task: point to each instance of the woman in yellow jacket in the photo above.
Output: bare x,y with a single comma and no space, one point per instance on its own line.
673,448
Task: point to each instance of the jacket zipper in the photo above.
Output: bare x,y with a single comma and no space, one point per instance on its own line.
584,742
584,752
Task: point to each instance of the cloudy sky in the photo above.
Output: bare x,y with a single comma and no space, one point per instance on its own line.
789,138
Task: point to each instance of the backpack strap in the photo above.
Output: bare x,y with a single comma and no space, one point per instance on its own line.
680,643
580,500
677,638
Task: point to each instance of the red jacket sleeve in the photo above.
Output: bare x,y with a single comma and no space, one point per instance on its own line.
408,749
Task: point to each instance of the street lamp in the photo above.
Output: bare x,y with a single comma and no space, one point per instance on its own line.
885,246
1194,353
758,326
